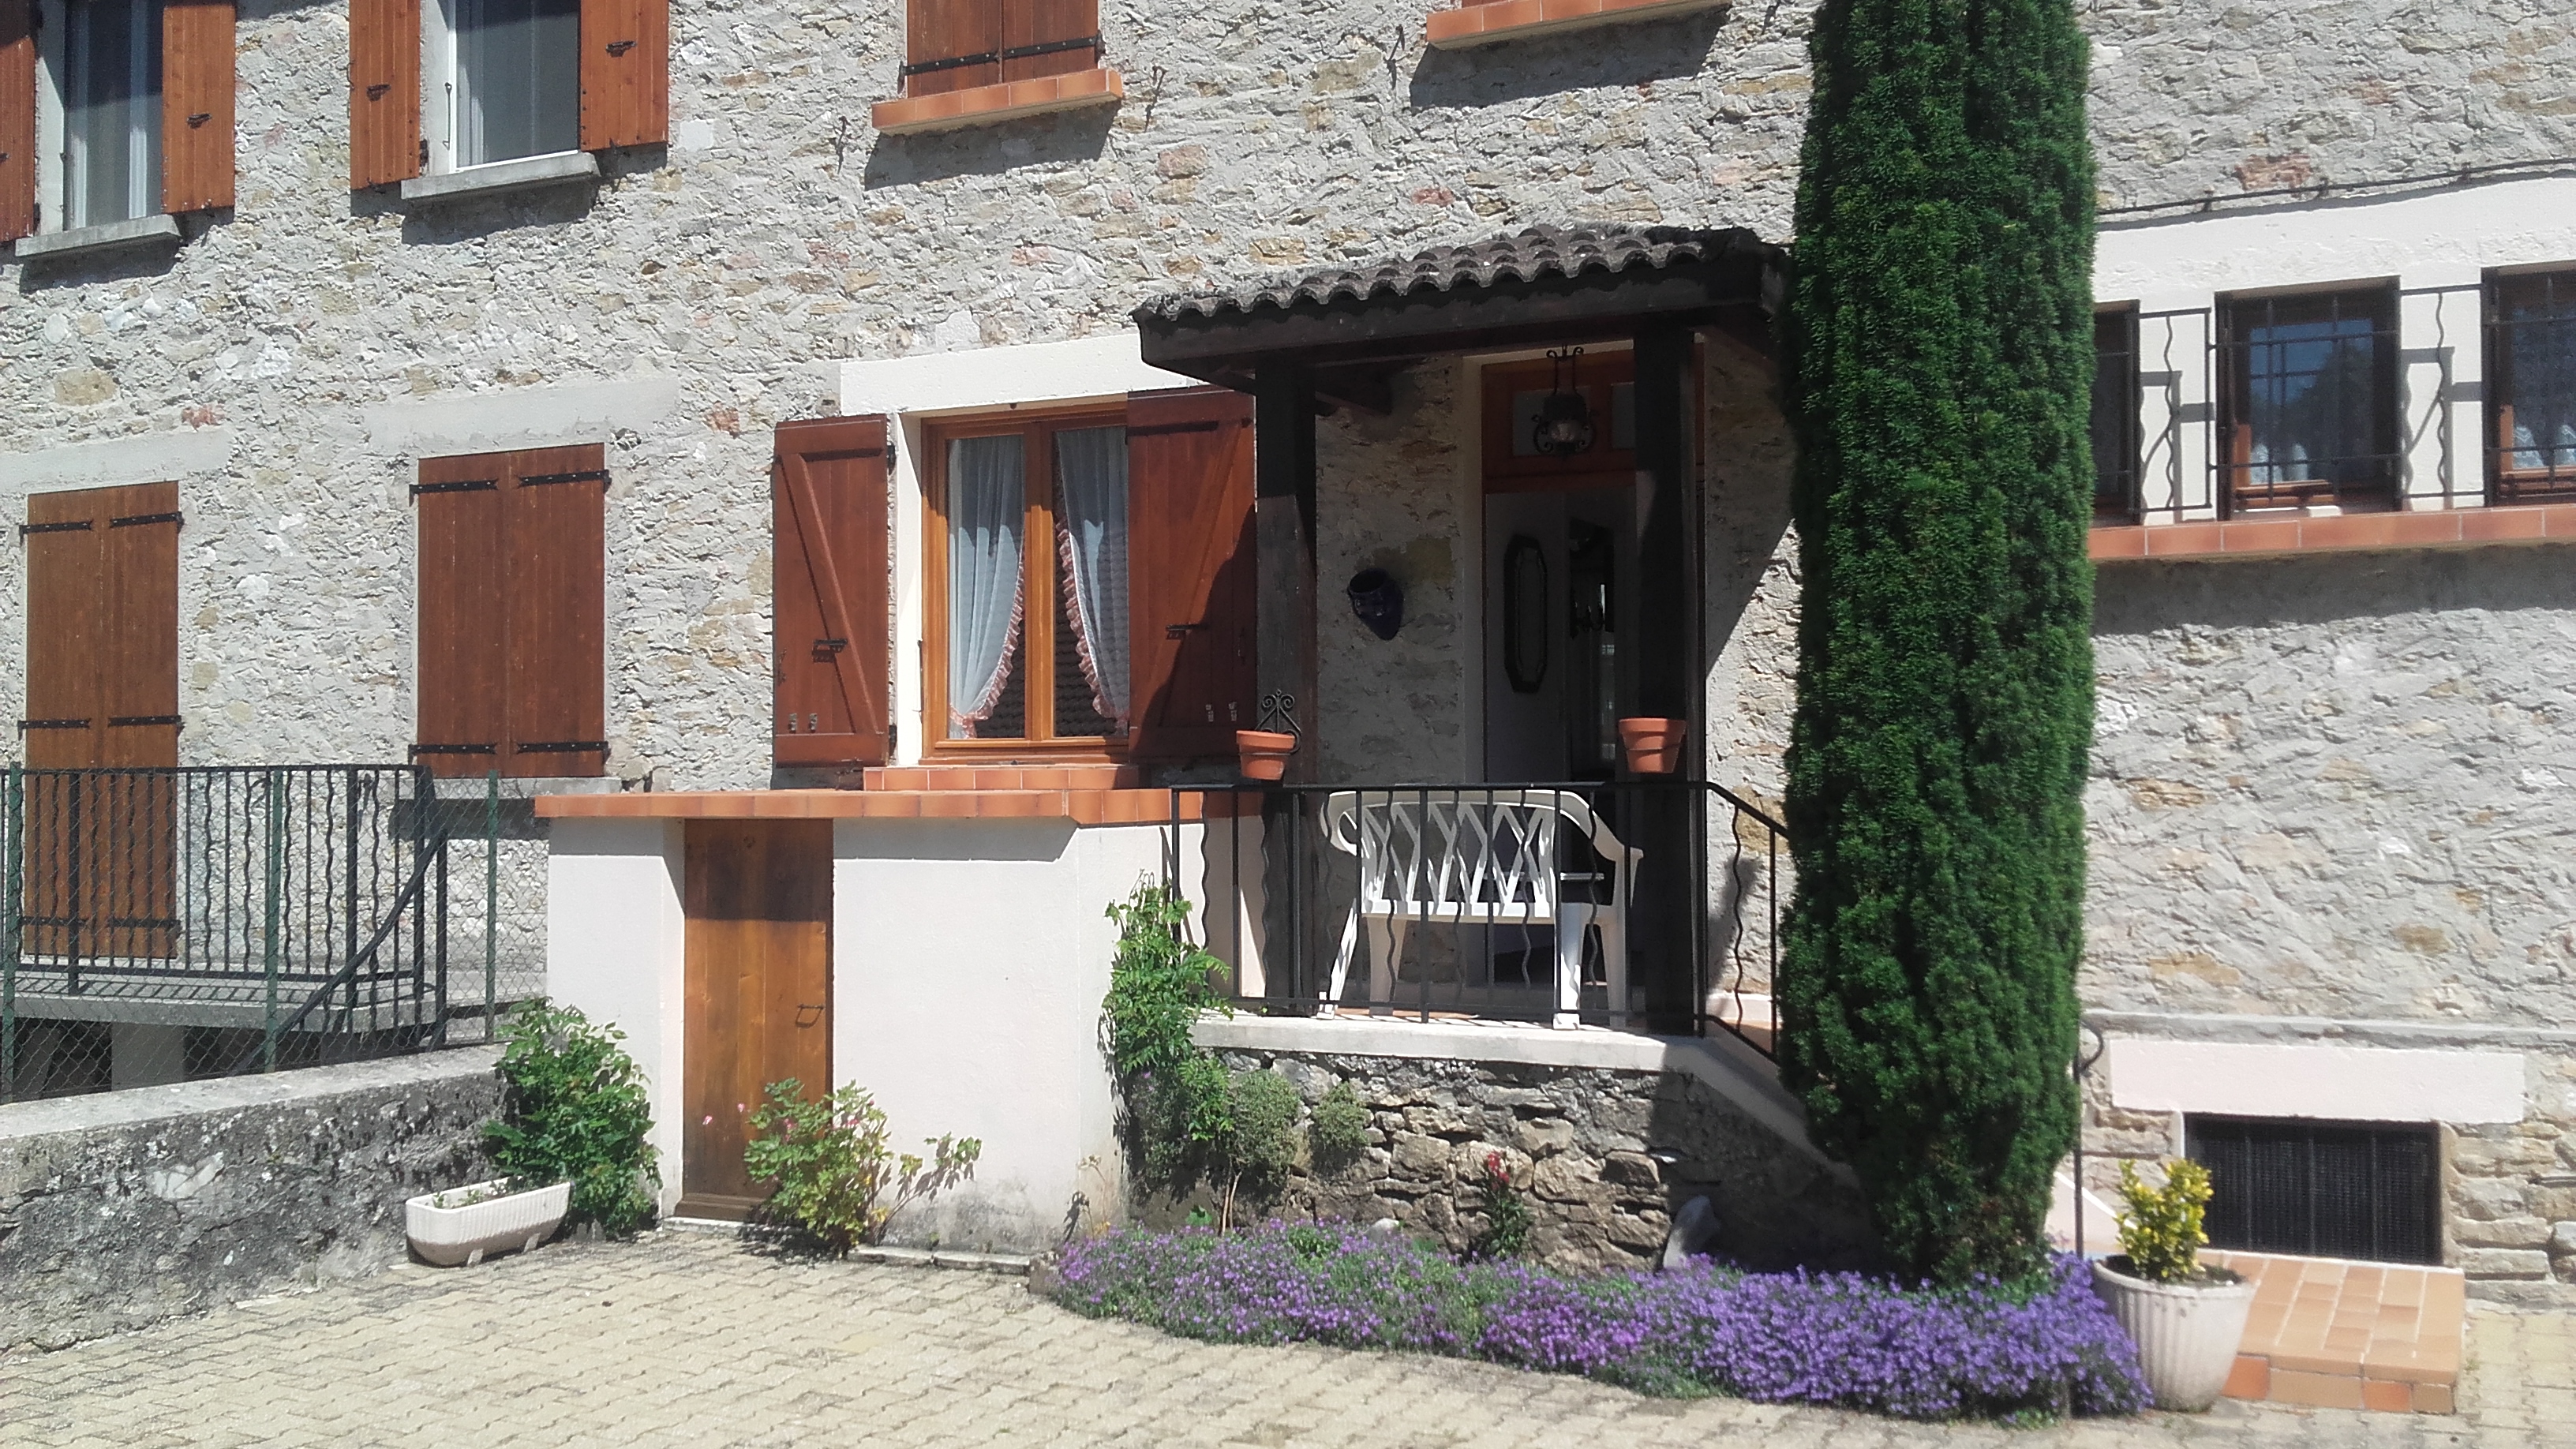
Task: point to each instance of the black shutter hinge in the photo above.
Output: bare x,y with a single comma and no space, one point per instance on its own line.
562,747
593,475
171,720
995,57
136,520
77,525
52,724
454,749
463,485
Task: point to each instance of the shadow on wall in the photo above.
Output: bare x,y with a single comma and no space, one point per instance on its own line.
139,262
1549,66
2145,598
995,150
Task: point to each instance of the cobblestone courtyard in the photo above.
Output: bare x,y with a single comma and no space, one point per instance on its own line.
689,1340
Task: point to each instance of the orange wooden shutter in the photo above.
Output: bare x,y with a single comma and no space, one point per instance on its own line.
937,32
832,608
17,119
1063,32
384,92
554,530
196,105
1190,589
459,674
625,73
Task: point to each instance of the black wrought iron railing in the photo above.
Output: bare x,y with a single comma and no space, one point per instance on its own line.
162,924
1646,905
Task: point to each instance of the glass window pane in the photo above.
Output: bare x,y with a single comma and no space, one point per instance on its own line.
518,79
2115,415
111,111
1091,694
987,515
2536,345
2312,414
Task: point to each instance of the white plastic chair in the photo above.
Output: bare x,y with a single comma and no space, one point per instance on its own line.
1483,858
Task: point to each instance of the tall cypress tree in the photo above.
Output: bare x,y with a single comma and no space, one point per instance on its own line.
1940,346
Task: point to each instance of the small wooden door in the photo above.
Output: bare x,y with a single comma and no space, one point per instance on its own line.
759,1006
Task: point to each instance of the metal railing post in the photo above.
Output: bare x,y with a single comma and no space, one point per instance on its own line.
274,910
491,900
9,929
349,882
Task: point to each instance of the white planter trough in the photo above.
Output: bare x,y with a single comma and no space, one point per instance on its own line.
463,1225
2187,1335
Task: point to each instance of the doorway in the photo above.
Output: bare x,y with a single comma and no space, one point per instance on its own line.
758,1003
1559,591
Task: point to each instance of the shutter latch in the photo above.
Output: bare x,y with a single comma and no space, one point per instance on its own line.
830,646
620,47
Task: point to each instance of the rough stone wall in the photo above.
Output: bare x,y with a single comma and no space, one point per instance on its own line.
1606,1157
119,1211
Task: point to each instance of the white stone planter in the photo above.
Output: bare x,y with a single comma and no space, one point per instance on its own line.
462,1226
2187,1337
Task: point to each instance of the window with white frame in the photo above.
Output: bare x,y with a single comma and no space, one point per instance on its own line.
503,80
100,104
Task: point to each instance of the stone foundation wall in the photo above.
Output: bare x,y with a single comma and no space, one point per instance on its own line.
1606,1157
120,1210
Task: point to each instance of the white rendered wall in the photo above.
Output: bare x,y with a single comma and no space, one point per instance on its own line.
2354,1084
614,944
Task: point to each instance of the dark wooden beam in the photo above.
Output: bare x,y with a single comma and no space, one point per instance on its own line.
1284,535
1366,387
1668,683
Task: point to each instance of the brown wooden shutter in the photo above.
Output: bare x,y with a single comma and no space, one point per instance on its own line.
67,609
832,609
625,73
1063,32
384,91
139,667
17,119
938,31
196,105
554,529
459,673
1190,588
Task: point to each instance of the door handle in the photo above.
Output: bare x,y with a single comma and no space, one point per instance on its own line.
804,1020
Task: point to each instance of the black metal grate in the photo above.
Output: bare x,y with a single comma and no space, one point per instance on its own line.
2115,415
2531,398
2321,1189
2308,400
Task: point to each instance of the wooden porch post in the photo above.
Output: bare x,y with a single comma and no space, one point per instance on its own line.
1283,520
1668,682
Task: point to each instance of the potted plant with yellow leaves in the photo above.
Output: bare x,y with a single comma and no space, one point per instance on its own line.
2186,1319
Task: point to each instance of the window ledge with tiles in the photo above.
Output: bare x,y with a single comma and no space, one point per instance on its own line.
110,237
2256,537
1484,22
1003,101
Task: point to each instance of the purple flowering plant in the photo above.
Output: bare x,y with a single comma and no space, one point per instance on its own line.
1843,1339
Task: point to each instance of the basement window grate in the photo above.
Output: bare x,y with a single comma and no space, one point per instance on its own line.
2321,1189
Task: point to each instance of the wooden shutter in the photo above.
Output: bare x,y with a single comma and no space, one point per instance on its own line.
17,119
1190,586
1063,34
67,608
196,105
939,32
139,667
832,613
554,529
384,91
625,73
459,672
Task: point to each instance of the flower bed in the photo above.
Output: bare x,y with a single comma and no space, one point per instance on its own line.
1833,1338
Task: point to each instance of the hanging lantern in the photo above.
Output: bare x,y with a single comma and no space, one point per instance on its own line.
1564,426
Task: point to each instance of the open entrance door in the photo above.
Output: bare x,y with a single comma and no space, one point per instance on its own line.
758,1007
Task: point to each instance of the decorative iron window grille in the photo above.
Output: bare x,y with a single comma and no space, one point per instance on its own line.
2308,390
2531,394
2321,1189
2115,416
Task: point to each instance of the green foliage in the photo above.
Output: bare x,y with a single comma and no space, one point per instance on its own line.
574,1110
2161,1230
1338,1131
1939,344
1158,984
1263,1145
838,1176
1507,1214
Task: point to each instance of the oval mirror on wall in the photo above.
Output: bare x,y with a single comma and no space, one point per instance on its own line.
1525,614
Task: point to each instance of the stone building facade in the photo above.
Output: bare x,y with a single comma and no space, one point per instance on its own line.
2329,803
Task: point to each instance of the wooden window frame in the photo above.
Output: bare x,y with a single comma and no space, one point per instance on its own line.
1038,581
2505,483
2124,316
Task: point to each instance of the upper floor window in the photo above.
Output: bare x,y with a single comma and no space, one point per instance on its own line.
108,77
506,80
2532,385
2115,414
113,112
1089,579
2308,399
955,45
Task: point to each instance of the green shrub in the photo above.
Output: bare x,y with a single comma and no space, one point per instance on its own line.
1261,1150
2161,1232
838,1178
1507,1214
1939,369
1158,984
574,1110
1338,1131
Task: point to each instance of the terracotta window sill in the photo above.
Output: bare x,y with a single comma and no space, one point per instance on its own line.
2456,527
984,105
1082,807
1518,19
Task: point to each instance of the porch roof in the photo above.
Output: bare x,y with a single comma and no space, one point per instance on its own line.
1547,285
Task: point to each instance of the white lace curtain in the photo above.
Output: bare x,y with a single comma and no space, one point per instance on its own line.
987,499
2544,394
1091,553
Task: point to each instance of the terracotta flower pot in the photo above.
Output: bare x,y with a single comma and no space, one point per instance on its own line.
1264,753
1654,746
2187,1334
